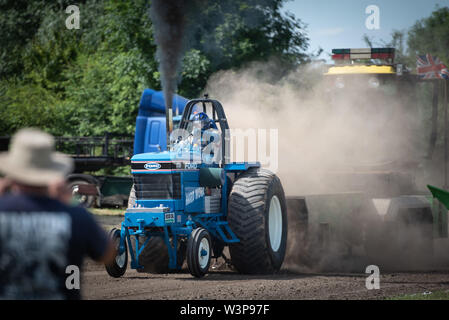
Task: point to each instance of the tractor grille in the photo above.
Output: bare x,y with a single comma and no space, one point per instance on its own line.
157,186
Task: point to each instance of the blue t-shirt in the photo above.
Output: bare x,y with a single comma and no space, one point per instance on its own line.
39,238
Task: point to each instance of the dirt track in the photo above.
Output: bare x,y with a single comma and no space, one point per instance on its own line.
228,285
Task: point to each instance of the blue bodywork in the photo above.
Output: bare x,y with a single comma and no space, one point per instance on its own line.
150,135
174,217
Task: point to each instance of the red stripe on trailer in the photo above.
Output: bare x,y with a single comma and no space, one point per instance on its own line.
340,56
382,55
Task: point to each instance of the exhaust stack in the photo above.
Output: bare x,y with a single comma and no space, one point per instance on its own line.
169,19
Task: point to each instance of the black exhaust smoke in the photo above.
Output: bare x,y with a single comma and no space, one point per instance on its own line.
169,20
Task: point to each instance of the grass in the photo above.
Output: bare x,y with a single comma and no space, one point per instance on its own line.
108,211
437,295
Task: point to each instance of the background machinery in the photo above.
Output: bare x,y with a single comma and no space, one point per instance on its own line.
376,212
92,154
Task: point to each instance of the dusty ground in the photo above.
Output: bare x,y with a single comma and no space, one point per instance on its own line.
228,285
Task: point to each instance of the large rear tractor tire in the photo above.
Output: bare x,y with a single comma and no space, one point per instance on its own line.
257,214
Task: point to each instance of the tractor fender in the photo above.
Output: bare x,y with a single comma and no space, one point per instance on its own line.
212,177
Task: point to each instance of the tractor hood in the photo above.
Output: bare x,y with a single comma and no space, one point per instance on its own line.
161,156
161,162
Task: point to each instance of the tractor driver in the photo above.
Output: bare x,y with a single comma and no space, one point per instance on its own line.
204,131
201,120
202,123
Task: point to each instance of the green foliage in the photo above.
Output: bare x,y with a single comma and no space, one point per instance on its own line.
103,97
89,81
229,34
428,35
397,41
195,72
431,35
19,22
27,105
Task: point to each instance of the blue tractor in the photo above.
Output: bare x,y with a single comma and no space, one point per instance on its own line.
190,202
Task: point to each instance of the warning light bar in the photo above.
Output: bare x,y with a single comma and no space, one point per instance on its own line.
363,53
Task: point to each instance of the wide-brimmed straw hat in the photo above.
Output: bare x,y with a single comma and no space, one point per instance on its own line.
32,159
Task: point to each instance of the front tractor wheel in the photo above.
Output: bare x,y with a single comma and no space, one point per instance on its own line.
199,255
118,266
257,214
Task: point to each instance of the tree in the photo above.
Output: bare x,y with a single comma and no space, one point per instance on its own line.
20,20
229,34
397,42
431,35
89,81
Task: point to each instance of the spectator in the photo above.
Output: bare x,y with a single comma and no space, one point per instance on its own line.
40,235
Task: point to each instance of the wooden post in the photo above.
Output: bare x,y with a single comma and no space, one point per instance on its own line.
443,212
445,106
434,132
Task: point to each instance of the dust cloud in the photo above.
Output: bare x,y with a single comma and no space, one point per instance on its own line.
321,129
334,138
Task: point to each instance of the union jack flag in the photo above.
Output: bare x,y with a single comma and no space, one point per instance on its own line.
429,67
